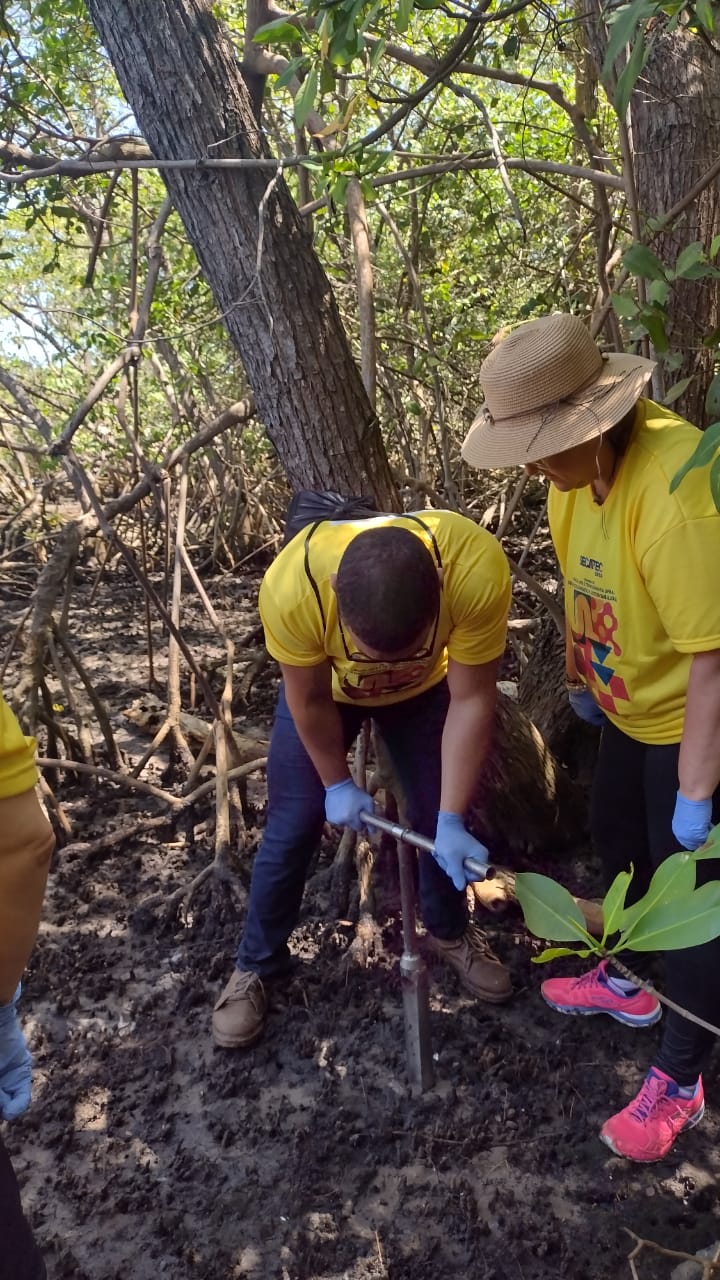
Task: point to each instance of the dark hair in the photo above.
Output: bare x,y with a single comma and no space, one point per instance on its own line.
387,588
620,433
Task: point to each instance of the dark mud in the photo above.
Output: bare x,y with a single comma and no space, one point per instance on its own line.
149,1153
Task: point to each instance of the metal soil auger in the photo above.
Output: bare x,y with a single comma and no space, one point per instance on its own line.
413,972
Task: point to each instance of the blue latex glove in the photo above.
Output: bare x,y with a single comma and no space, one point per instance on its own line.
15,1063
453,844
585,706
343,803
692,821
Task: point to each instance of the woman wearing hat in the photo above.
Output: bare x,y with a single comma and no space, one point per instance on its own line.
642,600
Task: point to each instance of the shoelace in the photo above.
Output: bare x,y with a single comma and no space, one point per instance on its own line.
478,942
588,979
243,982
652,1093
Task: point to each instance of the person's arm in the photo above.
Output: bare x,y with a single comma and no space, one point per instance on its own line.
465,742
572,674
468,727
308,691
579,696
26,845
699,764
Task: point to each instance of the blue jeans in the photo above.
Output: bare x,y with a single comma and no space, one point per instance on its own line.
412,731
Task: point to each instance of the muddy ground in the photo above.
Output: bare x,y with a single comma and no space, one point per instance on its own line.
149,1153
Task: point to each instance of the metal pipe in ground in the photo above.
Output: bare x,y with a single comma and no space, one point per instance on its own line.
413,973
414,981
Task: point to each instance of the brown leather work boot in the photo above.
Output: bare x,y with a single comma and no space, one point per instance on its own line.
239,1016
478,968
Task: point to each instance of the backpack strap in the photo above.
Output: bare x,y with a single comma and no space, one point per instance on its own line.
306,563
408,515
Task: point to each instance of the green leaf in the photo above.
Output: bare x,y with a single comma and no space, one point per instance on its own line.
677,389
318,163
338,189
624,305
643,262
347,43
658,292
277,32
404,10
714,246
629,76
623,22
705,14
280,31
701,455
712,398
305,97
614,901
370,17
552,953
293,67
549,909
368,190
690,922
674,878
715,485
376,53
654,321
689,257
328,79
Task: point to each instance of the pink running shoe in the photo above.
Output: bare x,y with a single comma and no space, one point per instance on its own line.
591,994
647,1128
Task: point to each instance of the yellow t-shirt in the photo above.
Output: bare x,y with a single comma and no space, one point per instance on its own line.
299,610
642,578
17,755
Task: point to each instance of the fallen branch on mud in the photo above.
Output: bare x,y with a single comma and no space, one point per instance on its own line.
177,803
112,838
710,1266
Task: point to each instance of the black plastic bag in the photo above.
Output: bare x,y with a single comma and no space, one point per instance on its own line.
310,506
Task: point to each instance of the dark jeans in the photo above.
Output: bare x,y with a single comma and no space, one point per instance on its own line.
633,800
412,731
19,1255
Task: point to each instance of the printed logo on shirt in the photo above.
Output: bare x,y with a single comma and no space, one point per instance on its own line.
596,565
594,626
380,681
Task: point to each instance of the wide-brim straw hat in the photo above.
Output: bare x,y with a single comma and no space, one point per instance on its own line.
547,388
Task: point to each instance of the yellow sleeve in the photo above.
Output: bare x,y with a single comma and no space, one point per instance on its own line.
291,618
682,574
17,755
560,513
478,591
